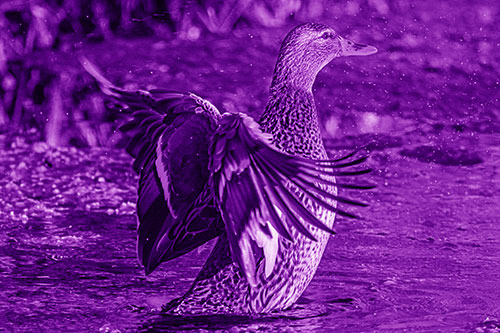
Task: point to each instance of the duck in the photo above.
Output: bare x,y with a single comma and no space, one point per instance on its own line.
264,188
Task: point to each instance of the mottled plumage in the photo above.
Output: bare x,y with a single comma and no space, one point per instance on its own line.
265,189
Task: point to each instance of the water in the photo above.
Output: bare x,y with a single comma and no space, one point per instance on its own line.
424,257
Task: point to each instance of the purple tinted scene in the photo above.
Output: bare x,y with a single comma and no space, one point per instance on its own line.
128,203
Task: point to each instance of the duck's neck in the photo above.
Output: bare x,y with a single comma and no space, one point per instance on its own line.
296,66
291,117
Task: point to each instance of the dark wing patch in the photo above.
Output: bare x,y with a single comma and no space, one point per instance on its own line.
251,184
169,135
170,141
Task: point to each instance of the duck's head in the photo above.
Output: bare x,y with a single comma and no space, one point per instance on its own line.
307,49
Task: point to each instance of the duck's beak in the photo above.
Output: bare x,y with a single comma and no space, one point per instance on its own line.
350,48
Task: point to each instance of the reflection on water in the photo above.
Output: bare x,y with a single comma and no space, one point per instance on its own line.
298,318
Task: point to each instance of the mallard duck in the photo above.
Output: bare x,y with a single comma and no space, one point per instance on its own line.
266,189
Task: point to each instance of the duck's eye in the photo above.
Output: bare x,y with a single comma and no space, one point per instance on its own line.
326,35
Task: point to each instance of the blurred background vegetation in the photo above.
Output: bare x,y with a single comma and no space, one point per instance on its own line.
43,90
34,95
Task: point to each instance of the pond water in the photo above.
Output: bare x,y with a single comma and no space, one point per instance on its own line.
424,256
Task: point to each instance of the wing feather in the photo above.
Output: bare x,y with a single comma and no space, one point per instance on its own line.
169,135
257,189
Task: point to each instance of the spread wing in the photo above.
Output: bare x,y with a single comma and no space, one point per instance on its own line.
169,135
175,204
250,177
